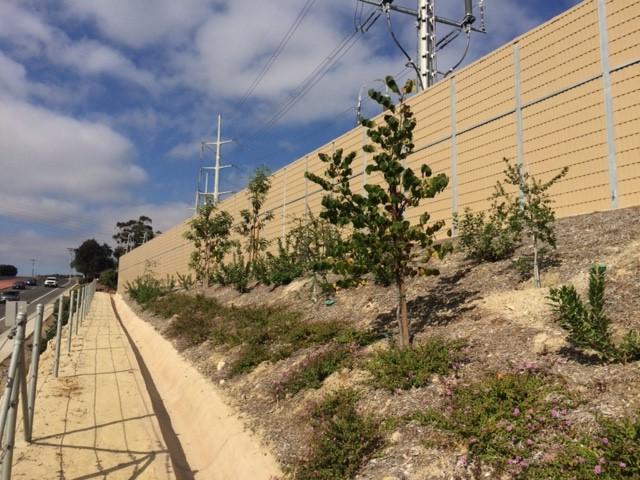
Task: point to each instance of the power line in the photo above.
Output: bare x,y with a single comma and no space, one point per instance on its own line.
410,62
319,72
283,43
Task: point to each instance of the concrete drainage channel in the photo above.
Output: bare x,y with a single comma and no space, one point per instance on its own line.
203,434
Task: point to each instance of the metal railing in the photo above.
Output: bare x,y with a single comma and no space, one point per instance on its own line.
20,390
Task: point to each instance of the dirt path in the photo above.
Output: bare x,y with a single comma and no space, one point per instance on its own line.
215,439
96,419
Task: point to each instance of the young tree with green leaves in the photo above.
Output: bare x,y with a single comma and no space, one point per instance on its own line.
253,220
378,218
210,232
532,208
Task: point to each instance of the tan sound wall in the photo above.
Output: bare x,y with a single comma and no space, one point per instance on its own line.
565,93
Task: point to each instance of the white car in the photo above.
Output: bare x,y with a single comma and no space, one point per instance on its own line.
51,282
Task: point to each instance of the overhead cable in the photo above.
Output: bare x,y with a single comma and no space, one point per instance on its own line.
320,71
283,43
410,61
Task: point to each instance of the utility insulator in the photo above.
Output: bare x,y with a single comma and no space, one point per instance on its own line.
469,18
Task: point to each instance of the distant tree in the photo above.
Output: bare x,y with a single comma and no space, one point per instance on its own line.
253,220
379,217
8,271
109,278
132,233
210,233
91,258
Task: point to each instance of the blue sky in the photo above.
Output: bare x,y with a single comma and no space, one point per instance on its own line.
103,103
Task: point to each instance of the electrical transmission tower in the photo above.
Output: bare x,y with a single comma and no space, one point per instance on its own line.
428,44
202,188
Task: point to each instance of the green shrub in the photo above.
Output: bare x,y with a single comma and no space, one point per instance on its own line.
489,237
186,281
612,453
262,333
109,278
194,320
313,370
505,420
343,440
236,273
405,368
280,269
146,289
519,423
318,246
588,326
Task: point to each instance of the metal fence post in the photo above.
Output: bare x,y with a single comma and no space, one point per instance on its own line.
454,155
612,164
24,400
284,203
306,187
83,300
519,118
33,370
70,321
365,159
11,415
12,373
81,296
56,359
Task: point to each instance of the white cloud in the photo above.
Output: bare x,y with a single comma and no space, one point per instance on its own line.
31,37
93,58
14,83
22,28
53,154
140,23
186,150
50,250
164,216
13,78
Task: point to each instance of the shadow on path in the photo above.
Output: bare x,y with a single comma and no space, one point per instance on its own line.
176,452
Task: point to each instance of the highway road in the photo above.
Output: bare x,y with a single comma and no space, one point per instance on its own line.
35,295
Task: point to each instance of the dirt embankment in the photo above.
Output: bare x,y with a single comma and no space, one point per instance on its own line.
504,320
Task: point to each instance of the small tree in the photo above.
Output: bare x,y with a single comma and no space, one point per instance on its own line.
253,220
209,231
317,246
534,210
378,219
91,258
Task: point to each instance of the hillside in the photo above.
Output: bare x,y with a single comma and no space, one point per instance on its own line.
508,329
